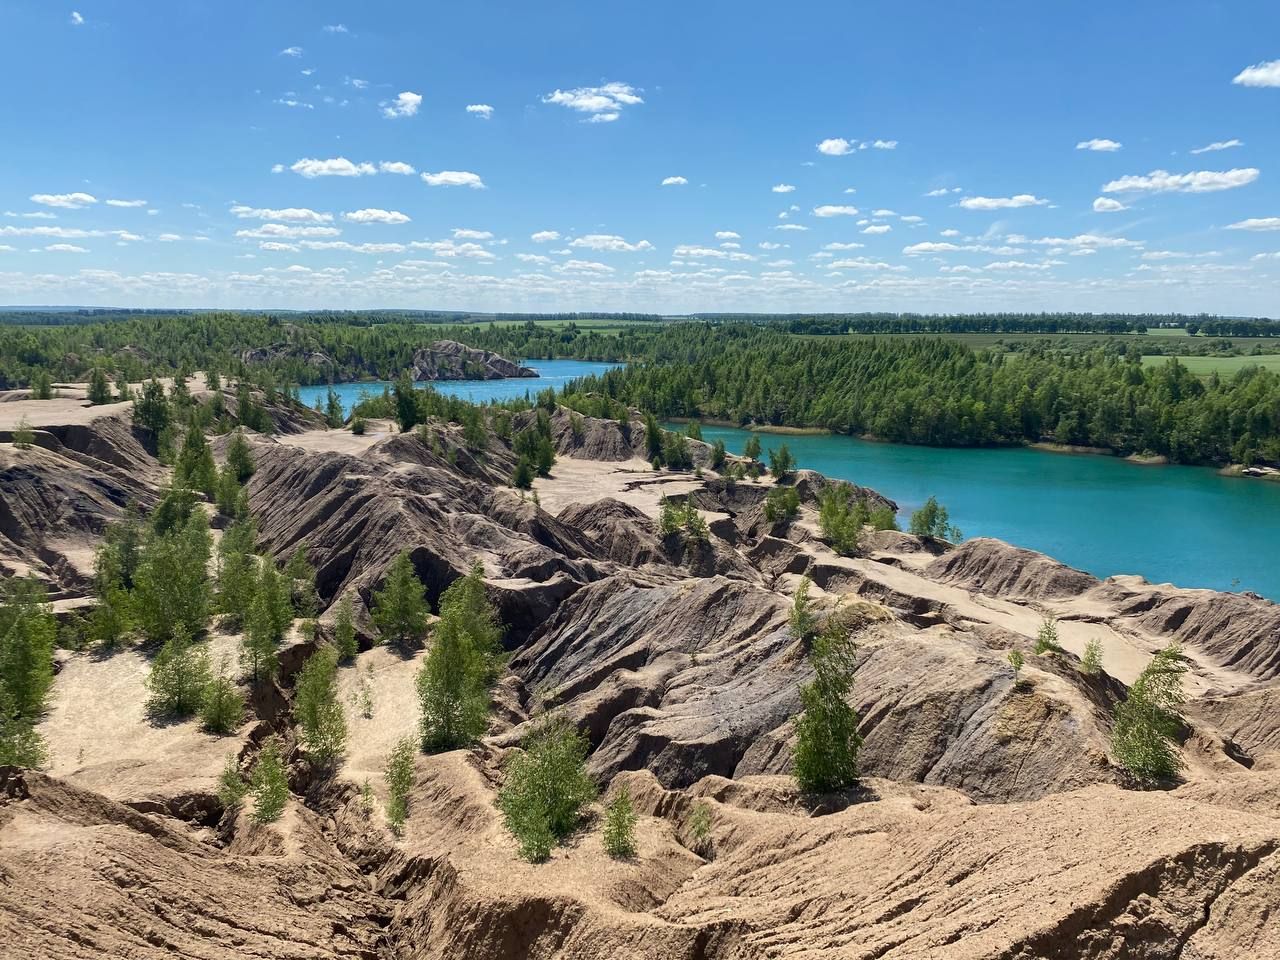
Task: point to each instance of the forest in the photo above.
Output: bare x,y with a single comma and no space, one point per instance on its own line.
942,393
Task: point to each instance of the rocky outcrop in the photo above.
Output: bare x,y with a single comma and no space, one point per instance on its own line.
450,360
996,568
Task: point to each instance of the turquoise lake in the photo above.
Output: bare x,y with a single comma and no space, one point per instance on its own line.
1184,525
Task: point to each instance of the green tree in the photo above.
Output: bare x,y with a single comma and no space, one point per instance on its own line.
752,449
932,521
302,583
176,506
23,436
841,518
1047,638
883,518
546,788
620,825
180,676
399,779
652,438
195,467
827,739
694,430
669,517
453,684
1017,661
317,709
28,632
41,385
151,408
1091,663
231,785
522,479
804,621
781,504
240,457
223,706
269,617
781,462
269,783
20,745
237,572
99,387
344,631
718,455
172,583
1144,739
406,398
333,413
399,608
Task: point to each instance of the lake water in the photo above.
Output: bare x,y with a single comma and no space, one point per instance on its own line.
551,373
1184,525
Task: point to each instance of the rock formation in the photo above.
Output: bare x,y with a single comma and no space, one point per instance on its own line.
450,360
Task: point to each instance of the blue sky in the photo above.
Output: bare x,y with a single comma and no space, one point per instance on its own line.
652,157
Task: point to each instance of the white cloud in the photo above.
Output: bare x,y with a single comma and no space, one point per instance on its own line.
335,167
837,245
943,191
1219,145
357,83
404,105
1201,181
67,201
583,266
1002,203
545,236
169,237
877,228
452,249
370,248
461,233
602,104
375,215
1107,205
1257,223
783,188
769,245
277,168
884,144
288,214
481,110
1260,75
77,19
1103,146
832,210
336,28
293,104
126,203
33,215
1017,265
864,263
1092,240
65,248
728,235
796,227
453,178
396,166
532,258
950,233
277,231
930,247
674,182
835,147
883,213
291,52
609,242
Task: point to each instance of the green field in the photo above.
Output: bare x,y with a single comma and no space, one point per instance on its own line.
1225,366
1167,332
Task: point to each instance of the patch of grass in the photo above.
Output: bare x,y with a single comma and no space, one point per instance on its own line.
1225,366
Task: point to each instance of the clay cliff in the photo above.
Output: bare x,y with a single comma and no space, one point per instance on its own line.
450,360
991,821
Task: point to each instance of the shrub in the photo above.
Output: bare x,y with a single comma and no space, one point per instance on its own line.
669,517
269,784
752,449
883,518
781,503
546,789
316,707
522,479
827,739
1017,661
180,676
932,521
23,435
28,632
99,387
620,825
1047,638
223,707
358,426
20,745
344,631
841,518
804,622
781,462
240,457
231,786
699,828
399,778
1091,663
1144,738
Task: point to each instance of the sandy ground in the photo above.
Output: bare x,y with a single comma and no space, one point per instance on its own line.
342,440
633,482
389,679
99,736
70,407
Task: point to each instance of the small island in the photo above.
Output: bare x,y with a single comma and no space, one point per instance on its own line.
450,360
